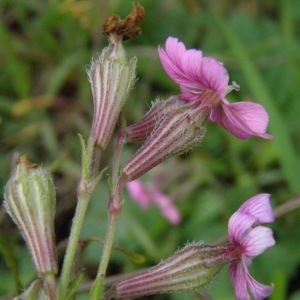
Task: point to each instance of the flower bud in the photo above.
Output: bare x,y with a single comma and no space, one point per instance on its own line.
111,77
175,132
190,269
30,202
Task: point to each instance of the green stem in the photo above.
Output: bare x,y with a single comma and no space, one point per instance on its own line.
115,207
85,189
97,288
83,201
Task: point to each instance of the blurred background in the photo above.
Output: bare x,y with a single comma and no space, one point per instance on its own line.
45,102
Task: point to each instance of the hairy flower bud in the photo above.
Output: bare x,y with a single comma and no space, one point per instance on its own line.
30,201
175,132
190,269
111,77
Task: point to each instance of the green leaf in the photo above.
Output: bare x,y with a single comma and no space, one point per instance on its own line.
73,286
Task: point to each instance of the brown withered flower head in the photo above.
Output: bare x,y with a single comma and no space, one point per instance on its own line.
125,29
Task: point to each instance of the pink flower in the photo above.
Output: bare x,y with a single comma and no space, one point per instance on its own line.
195,266
205,80
249,239
144,196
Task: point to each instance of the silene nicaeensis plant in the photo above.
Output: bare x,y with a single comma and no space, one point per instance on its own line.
171,126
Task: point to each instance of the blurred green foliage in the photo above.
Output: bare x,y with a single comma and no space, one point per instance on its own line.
45,101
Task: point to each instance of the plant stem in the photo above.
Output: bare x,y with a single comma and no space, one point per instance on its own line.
115,208
120,141
85,188
82,204
97,288
51,285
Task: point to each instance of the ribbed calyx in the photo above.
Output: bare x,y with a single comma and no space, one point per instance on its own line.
111,77
30,201
190,269
175,131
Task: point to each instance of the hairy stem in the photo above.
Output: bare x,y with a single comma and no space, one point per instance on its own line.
86,186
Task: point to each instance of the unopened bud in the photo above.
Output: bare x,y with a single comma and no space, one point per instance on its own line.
30,201
175,132
190,269
111,77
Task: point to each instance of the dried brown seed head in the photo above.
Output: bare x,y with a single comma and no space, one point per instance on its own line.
117,29
25,160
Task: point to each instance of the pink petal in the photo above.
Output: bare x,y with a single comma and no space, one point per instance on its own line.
166,206
210,75
257,241
238,279
242,119
213,75
239,226
192,71
171,60
242,281
175,49
138,192
258,290
259,207
191,66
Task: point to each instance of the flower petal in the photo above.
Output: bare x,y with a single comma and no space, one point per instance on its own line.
257,241
259,207
242,281
238,279
192,71
239,226
191,67
138,192
213,75
258,290
171,59
243,119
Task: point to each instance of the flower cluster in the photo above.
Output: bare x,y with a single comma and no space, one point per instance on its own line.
171,126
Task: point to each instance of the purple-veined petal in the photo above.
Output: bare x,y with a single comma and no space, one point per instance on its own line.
239,226
213,75
258,290
242,119
210,75
175,49
257,241
259,207
237,274
242,281
171,60
138,192
191,67
192,71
